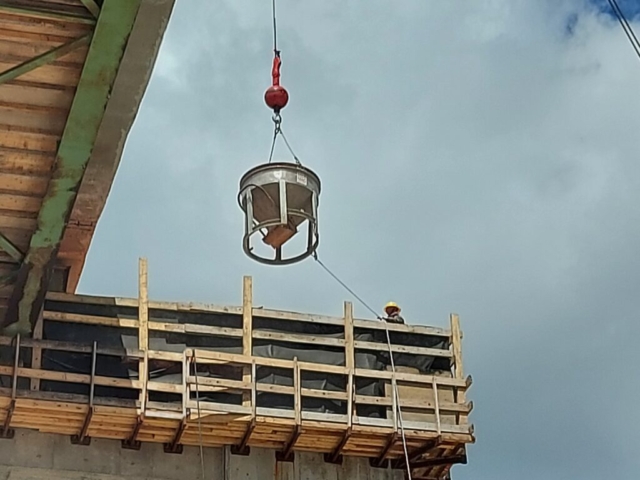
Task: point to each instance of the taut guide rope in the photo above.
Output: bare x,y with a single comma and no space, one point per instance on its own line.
393,365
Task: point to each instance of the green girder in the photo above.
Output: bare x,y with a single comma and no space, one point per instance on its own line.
110,37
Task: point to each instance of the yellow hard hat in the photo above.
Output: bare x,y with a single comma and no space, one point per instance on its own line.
390,305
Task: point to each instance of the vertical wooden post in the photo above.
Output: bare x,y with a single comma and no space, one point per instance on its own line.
349,352
36,352
285,453
456,345
297,392
394,402
175,445
247,331
143,327
436,402
350,399
186,395
458,372
254,391
241,448
350,363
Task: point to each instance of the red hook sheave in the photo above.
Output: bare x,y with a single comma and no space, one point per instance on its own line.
276,97
275,70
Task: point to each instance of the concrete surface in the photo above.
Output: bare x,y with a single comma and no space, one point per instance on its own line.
38,456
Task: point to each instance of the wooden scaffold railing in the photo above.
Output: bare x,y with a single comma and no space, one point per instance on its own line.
139,370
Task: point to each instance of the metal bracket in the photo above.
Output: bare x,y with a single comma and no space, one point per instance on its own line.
432,462
287,454
336,455
175,446
329,458
242,448
415,455
132,443
82,438
390,443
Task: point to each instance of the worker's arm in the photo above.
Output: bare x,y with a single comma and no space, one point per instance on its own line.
395,319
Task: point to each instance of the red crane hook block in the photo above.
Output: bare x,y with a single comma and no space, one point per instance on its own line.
276,97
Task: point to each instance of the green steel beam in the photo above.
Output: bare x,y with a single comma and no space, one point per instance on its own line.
92,6
10,7
110,38
44,58
13,251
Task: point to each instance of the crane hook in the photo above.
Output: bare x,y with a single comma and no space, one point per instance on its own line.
276,97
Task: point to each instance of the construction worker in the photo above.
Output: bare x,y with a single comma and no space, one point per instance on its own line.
393,313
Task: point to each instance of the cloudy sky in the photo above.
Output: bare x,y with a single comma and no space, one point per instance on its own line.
476,157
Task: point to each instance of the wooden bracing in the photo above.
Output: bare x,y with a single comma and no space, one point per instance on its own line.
165,409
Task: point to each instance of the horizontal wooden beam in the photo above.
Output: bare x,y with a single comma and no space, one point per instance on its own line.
298,338
259,312
90,319
14,7
72,347
383,347
205,356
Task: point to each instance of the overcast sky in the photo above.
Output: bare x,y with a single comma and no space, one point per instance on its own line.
476,157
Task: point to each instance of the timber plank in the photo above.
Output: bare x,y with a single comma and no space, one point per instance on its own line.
43,26
29,95
19,203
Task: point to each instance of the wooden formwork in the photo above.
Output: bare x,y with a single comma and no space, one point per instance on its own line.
213,398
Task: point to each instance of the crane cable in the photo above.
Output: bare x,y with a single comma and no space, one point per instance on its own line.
626,27
276,96
275,28
393,365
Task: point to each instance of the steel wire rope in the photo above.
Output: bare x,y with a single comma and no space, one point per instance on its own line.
393,365
277,130
275,28
277,119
